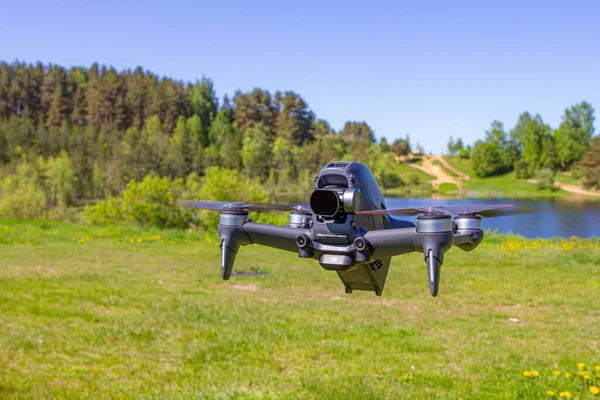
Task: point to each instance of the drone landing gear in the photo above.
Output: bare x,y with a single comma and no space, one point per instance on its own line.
434,268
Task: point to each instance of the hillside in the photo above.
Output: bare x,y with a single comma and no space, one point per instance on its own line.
453,176
507,185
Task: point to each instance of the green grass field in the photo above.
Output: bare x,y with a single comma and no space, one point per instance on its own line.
507,186
406,171
461,164
117,312
502,186
443,167
563,177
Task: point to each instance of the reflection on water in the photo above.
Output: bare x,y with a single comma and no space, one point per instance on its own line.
553,217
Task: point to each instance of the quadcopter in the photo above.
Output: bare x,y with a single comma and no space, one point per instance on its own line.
348,229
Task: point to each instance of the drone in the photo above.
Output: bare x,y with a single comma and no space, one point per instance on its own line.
348,229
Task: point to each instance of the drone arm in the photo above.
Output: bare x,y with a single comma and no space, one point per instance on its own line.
280,237
391,242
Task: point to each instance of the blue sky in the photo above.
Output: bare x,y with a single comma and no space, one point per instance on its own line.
430,69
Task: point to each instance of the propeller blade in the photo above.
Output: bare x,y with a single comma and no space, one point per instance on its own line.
233,206
484,210
405,211
210,205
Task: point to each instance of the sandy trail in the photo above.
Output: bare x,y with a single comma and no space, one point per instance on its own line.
438,172
571,188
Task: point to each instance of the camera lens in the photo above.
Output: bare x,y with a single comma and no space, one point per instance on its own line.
325,202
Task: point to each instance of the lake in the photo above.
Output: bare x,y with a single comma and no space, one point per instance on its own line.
554,217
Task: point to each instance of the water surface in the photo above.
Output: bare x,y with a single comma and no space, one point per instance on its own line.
554,217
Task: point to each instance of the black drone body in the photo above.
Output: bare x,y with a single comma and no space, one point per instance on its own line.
349,230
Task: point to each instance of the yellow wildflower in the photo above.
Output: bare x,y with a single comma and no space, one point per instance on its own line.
567,375
597,368
526,373
535,373
557,373
587,377
565,395
582,373
551,393
595,390
139,240
581,366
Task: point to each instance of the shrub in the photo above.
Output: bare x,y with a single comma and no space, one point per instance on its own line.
146,202
545,179
414,179
21,195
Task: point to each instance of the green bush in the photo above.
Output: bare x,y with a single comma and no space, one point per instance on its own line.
545,178
22,195
146,202
414,179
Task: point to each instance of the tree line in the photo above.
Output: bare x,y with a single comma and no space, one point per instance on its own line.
533,149
113,127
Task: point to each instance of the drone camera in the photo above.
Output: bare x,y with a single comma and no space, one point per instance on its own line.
332,202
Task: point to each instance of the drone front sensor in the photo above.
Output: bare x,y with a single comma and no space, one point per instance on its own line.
349,230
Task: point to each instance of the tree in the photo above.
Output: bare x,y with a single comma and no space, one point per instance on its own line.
459,146
294,120
177,157
485,159
283,160
495,155
534,144
257,151
136,98
451,146
61,179
322,128
574,134
256,107
400,147
590,165
231,149
517,133
203,102
384,145
358,131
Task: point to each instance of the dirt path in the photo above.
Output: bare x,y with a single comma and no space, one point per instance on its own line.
571,188
438,172
460,174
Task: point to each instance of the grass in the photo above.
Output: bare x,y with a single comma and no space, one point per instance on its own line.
461,164
502,186
565,178
405,172
443,167
448,190
507,186
123,312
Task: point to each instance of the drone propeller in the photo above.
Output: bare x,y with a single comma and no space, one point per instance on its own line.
233,206
491,210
